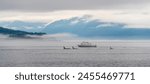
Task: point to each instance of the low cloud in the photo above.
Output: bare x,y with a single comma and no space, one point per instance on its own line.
60,36
3,36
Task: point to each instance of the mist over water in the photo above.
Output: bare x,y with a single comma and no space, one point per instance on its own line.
49,52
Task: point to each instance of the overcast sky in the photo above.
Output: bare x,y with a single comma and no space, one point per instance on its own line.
54,5
131,12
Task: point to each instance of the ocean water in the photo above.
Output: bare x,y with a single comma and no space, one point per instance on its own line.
50,53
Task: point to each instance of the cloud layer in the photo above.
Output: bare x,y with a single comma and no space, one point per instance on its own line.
135,19
54,5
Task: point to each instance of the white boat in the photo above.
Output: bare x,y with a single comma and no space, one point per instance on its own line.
86,44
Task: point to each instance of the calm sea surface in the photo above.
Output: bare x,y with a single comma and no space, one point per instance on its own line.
50,53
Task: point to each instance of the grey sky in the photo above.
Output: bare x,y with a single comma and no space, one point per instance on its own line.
54,5
134,13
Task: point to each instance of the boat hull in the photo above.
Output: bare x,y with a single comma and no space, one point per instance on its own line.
87,46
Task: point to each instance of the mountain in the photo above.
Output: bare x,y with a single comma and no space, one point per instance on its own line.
17,33
84,27
23,25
